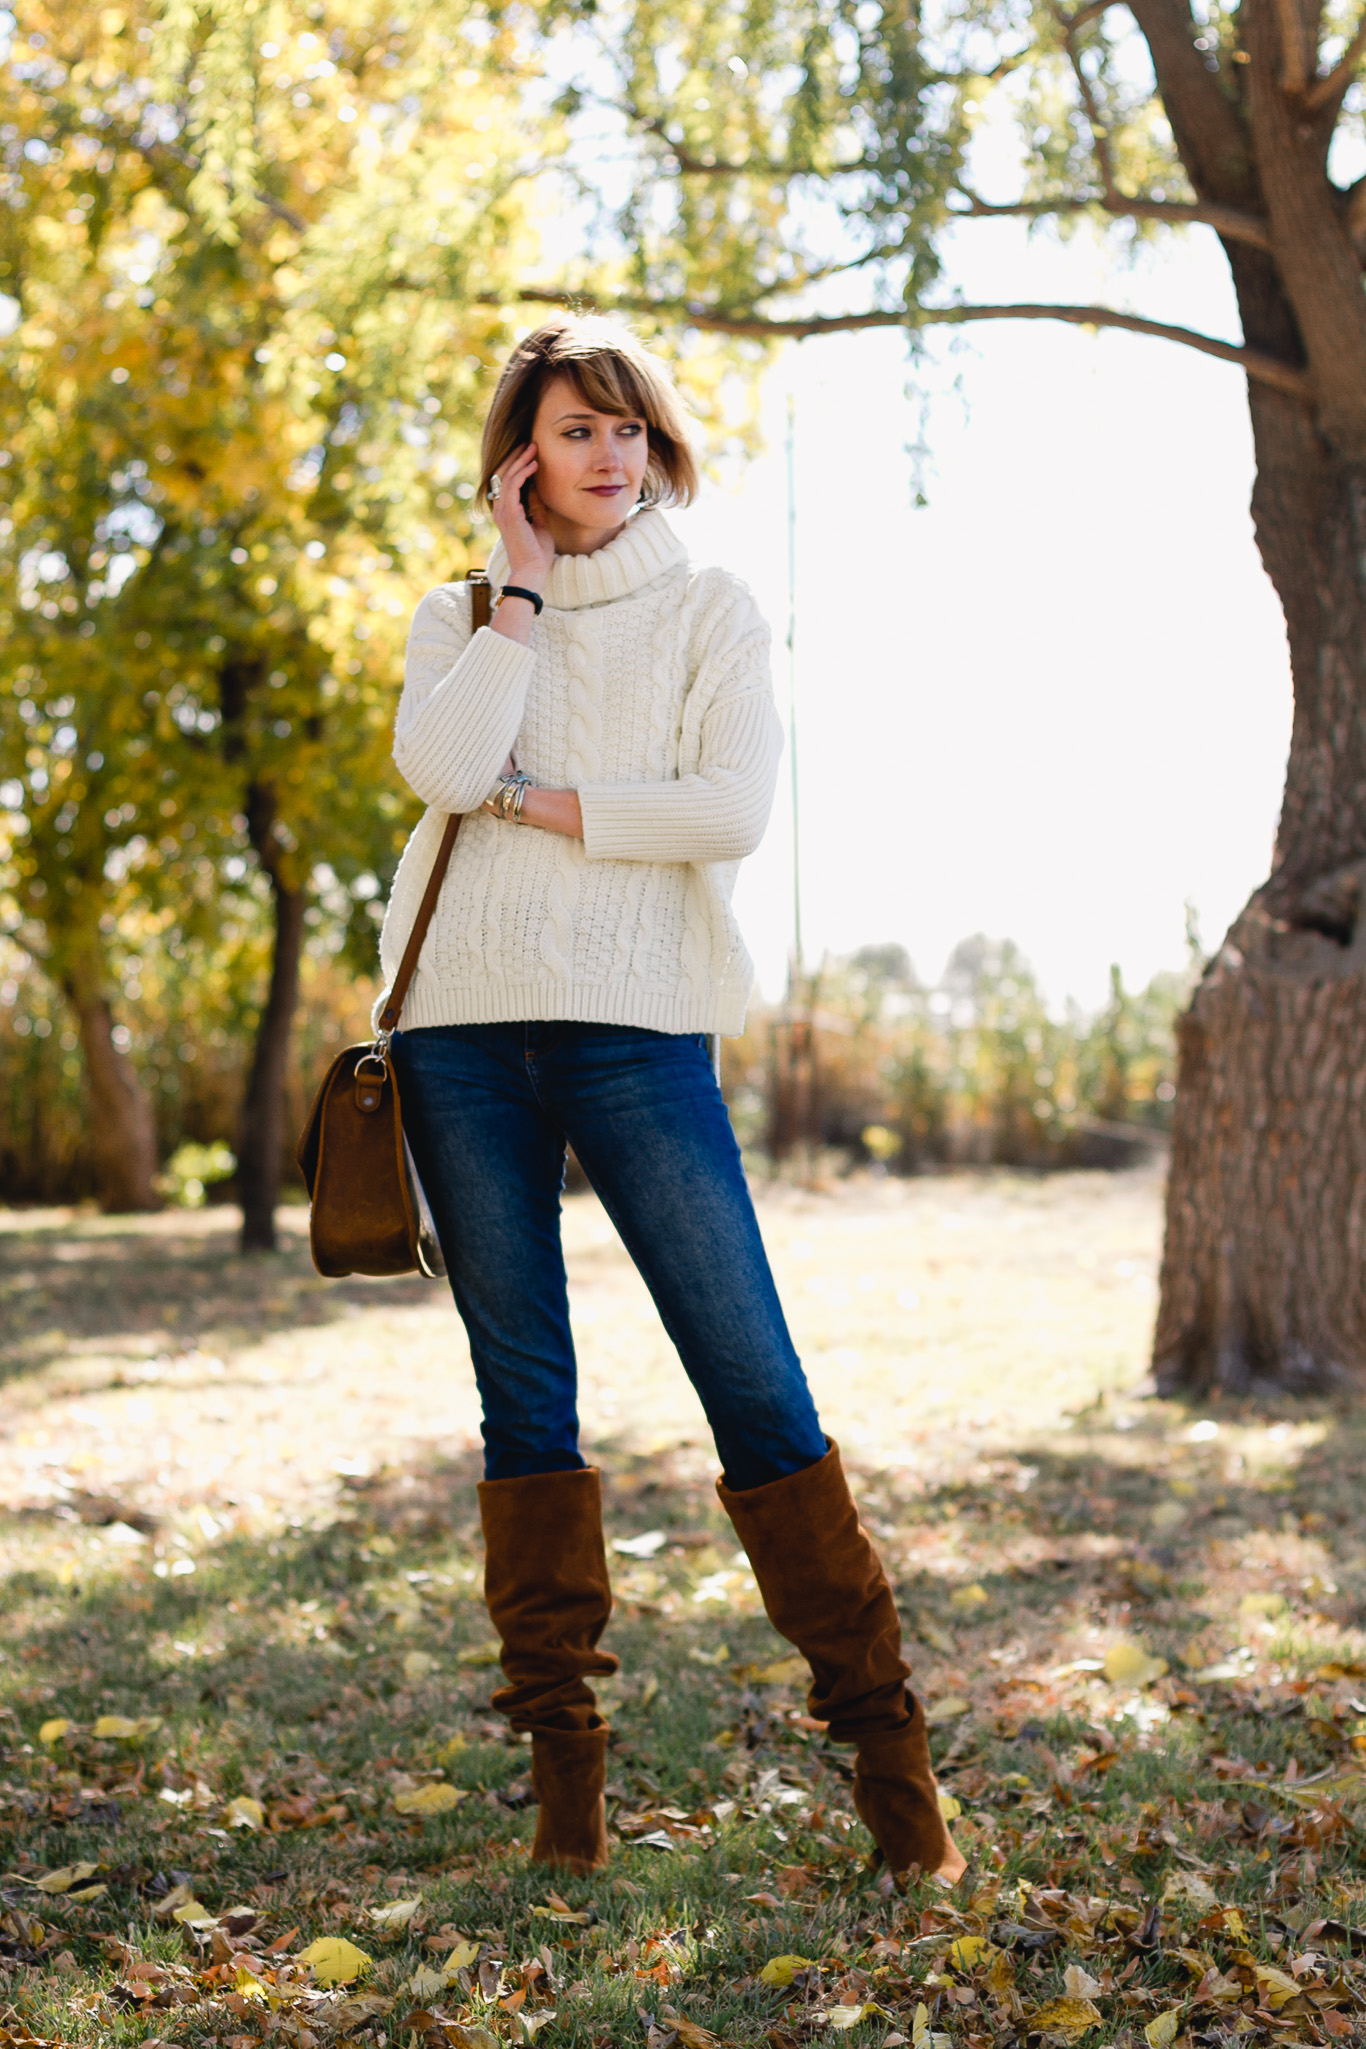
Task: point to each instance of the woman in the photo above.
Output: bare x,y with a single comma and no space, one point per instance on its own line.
612,740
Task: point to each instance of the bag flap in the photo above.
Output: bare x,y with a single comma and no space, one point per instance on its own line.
310,1138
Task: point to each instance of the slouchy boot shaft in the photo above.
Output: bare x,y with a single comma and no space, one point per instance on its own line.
824,1589
548,1595
549,1598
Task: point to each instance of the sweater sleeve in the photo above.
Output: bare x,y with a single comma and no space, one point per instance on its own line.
462,703
718,812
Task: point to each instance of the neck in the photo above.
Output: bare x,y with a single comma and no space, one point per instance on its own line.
572,539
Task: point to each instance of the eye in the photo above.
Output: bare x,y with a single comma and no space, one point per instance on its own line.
632,427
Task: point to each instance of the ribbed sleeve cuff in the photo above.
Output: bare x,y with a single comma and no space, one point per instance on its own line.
670,822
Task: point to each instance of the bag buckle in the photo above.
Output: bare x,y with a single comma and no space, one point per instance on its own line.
370,1087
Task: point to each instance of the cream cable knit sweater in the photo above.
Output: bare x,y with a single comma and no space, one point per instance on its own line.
646,689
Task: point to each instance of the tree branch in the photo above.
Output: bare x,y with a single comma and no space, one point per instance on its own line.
1211,131
1295,56
1072,22
1229,221
1100,132
714,319
1334,84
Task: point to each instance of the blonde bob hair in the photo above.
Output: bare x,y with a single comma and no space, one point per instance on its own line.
612,371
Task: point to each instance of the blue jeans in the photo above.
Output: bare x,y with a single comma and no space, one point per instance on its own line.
488,1110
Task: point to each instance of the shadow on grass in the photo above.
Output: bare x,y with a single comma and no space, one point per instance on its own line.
147,1280
323,1671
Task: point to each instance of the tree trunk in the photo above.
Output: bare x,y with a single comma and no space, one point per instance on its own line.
1264,1268
261,1152
123,1136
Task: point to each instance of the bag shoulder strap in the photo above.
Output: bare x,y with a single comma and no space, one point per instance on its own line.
481,609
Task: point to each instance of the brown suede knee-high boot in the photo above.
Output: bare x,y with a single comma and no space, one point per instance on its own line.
824,1589
545,1581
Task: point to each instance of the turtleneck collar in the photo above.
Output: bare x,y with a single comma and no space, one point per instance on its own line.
646,546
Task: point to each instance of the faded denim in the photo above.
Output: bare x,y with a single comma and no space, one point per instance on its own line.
488,1110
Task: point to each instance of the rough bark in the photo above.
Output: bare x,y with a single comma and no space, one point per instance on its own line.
1264,1274
123,1140
264,1139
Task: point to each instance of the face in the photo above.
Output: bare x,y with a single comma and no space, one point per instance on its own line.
589,465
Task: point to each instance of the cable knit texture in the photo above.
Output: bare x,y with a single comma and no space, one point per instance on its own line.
645,688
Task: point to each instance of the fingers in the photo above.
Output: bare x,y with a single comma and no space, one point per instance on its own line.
514,474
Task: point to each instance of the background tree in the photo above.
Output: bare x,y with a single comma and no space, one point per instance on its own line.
797,167
257,269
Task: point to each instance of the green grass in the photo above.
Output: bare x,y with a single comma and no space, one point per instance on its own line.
306,1669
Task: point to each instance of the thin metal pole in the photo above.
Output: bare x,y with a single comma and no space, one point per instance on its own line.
792,686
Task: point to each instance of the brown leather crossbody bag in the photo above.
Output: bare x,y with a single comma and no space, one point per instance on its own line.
369,1215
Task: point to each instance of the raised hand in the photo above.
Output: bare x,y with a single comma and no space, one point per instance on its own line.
530,549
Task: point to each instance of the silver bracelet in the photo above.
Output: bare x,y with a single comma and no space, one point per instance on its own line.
512,790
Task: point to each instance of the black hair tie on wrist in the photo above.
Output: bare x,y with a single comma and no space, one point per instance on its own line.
514,590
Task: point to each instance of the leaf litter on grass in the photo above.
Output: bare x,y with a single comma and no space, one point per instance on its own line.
1147,1848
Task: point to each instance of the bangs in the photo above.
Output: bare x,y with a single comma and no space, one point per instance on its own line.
610,382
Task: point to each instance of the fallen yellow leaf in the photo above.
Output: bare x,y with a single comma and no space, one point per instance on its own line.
969,1951
1128,1664
249,1986
460,1958
973,1596
949,1808
434,1798
1277,1986
847,2016
53,1731
244,1812
529,2026
89,1892
562,1914
419,1665
784,1672
931,1633
947,1710
688,2032
335,1961
397,1914
426,1983
121,1729
193,1915
479,1654
1161,2033
921,2035
1268,1605
65,1878
1070,2018
163,1909
782,1970
1079,1984
1338,1786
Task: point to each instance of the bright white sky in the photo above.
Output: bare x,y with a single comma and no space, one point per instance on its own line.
1056,704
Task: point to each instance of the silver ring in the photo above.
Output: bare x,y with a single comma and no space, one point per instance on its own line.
495,489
